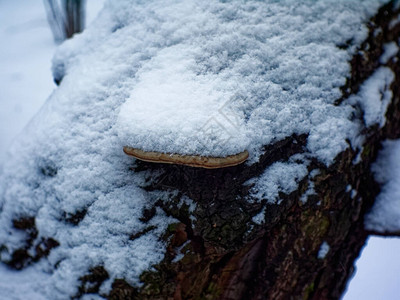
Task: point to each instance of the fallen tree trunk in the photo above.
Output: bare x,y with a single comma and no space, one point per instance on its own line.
288,223
287,256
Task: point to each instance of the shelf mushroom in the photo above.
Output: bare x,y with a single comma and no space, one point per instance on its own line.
188,160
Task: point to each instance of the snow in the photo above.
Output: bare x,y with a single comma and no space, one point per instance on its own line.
259,218
278,178
375,96
210,78
323,250
28,284
394,22
385,214
390,50
311,186
25,67
28,35
274,66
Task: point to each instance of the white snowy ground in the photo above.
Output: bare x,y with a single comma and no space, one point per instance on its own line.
25,82
25,76
377,271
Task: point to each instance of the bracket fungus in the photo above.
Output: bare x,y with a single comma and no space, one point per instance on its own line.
207,162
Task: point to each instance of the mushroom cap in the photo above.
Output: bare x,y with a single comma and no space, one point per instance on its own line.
188,160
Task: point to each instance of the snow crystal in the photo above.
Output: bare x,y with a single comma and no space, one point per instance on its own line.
260,217
385,214
180,252
278,178
390,50
323,250
191,77
375,96
310,191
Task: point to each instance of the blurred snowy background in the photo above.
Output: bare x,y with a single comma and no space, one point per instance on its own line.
27,47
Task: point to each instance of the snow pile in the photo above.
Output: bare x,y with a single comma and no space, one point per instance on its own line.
374,96
278,178
27,284
190,77
385,214
390,50
257,71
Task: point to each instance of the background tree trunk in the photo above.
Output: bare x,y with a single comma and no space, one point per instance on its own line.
65,18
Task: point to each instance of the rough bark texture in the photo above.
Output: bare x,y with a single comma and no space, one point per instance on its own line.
227,256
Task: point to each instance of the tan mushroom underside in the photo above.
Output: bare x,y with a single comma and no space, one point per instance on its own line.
188,160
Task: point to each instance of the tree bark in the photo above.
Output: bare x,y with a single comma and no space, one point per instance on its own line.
65,18
226,256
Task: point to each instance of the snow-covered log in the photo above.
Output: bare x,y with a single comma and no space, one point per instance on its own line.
309,89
